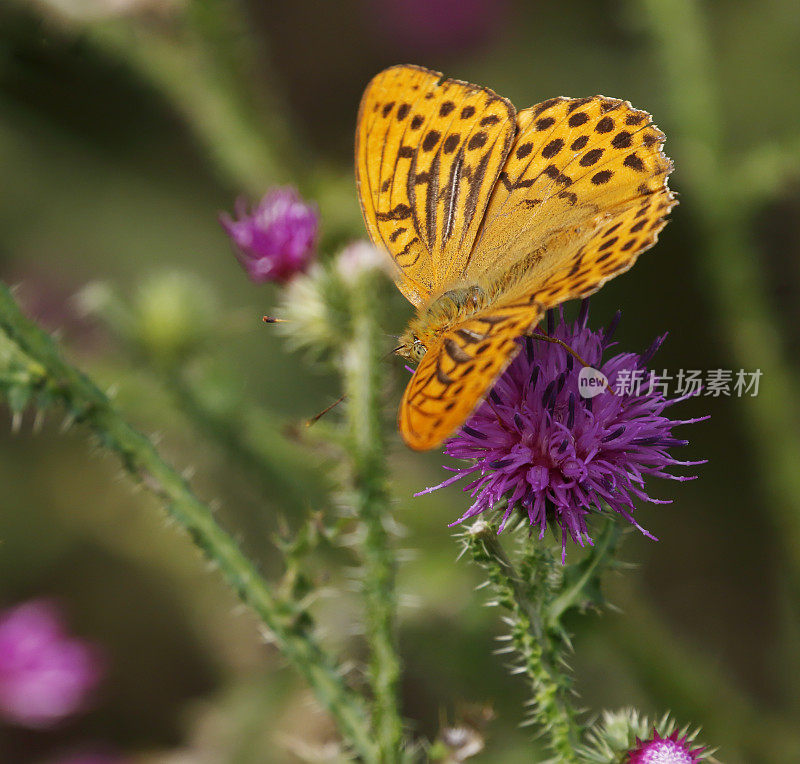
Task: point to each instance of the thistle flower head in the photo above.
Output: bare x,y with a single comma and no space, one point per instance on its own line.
672,749
315,305
628,736
173,315
544,445
277,238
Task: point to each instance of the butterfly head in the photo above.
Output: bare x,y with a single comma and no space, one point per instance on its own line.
449,308
421,334
411,346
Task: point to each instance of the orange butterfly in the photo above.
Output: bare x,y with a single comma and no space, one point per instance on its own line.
492,217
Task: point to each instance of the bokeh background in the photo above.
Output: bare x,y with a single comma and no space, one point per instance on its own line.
126,126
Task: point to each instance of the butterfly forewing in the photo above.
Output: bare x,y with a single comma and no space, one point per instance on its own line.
455,374
428,153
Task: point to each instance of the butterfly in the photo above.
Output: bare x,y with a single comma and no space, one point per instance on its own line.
493,216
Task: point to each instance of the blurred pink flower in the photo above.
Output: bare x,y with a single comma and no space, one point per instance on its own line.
438,26
45,674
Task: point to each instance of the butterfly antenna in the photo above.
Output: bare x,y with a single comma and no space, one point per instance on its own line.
555,341
393,351
316,417
324,411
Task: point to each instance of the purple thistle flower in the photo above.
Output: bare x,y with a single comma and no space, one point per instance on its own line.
45,674
276,240
537,442
672,749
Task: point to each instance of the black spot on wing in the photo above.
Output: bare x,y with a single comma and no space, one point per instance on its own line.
578,119
430,140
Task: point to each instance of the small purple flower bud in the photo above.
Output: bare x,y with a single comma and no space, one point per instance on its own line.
672,749
277,239
45,674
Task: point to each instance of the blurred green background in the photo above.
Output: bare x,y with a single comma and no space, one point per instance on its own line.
126,127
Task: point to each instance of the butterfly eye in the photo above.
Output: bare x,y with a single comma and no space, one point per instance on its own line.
418,349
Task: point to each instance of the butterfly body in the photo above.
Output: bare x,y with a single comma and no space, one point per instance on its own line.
492,216
433,320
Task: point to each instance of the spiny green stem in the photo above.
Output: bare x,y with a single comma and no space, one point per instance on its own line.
362,377
730,265
289,624
537,648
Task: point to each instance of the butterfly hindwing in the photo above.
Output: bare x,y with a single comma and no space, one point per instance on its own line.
456,373
618,238
428,153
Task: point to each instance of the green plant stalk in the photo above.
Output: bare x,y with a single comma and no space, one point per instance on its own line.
367,451
288,623
540,657
202,61
207,64
600,558
764,172
730,266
